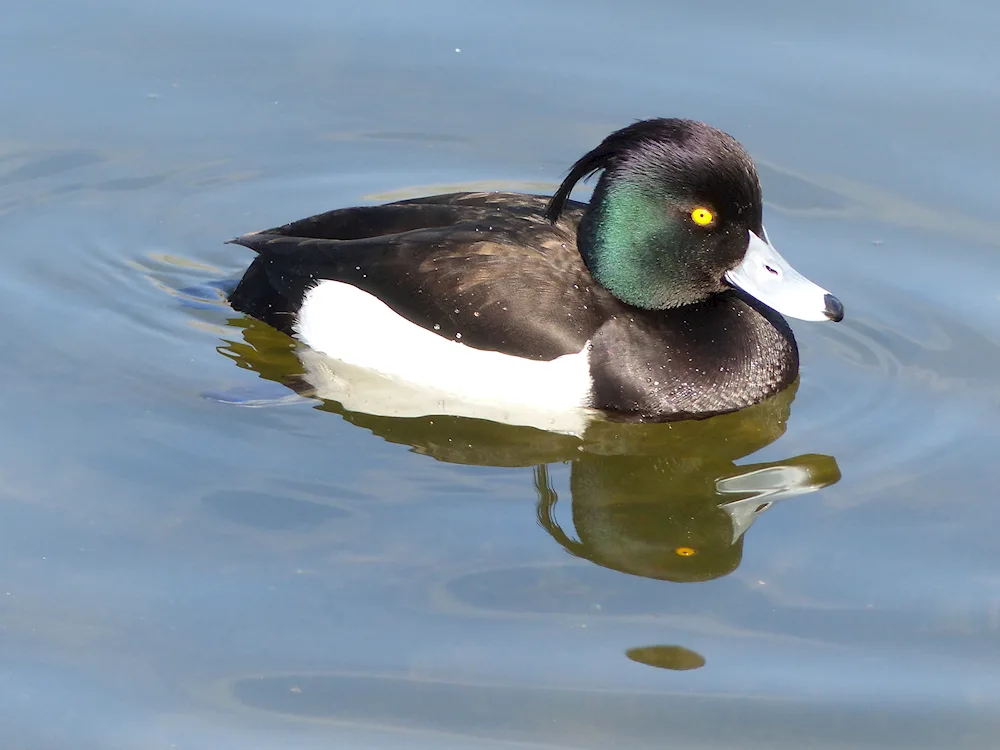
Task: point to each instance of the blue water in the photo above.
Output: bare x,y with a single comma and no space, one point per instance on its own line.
182,570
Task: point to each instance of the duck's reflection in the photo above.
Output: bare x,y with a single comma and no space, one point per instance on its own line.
664,501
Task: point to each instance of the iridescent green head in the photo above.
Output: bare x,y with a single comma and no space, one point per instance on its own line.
671,214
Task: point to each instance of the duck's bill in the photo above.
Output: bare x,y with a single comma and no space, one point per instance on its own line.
768,277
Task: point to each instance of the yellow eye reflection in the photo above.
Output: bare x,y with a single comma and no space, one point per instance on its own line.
702,216
686,551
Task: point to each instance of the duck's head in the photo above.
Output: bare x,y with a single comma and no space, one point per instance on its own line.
676,218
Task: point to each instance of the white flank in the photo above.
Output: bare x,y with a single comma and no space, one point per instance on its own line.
377,362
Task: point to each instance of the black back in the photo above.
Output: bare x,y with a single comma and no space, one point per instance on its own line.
487,266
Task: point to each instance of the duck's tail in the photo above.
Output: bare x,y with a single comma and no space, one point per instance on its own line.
256,296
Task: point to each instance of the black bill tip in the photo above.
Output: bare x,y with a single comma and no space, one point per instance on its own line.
834,309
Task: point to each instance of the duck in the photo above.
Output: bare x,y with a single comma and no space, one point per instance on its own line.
661,298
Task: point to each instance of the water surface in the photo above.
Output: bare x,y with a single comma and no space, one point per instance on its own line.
183,570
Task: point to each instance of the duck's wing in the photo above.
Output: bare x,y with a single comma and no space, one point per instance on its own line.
508,283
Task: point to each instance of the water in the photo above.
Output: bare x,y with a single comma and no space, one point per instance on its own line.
182,570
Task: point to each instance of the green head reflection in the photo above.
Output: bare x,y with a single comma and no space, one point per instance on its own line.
677,507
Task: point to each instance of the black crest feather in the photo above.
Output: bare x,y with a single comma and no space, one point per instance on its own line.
588,164
624,141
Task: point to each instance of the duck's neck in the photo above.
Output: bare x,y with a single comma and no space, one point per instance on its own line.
627,241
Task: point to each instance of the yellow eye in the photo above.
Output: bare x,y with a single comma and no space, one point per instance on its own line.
684,551
702,216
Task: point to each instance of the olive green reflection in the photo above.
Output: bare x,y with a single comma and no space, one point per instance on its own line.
677,658
664,501
680,515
